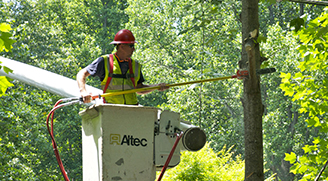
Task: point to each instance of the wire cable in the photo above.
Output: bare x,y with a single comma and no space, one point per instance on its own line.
51,131
170,155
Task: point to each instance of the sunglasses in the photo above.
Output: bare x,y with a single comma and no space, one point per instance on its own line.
131,46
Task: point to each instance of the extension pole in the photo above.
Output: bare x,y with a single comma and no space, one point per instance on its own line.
157,87
240,75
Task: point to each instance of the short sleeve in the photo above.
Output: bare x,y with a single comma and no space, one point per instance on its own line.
141,79
97,68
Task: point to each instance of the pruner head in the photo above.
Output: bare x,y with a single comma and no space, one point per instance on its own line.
241,74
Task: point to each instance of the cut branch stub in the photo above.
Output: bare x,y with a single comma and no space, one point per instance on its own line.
251,58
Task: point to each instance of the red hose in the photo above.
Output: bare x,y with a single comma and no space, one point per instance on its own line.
170,155
51,132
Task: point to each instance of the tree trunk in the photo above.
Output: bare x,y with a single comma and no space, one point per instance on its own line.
252,103
271,16
104,30
301,9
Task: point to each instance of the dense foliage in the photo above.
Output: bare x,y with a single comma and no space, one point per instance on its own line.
309,88
207,165
179,41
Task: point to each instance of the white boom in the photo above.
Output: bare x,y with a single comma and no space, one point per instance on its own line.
43,79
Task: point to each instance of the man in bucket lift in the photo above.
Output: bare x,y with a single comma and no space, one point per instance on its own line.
117,72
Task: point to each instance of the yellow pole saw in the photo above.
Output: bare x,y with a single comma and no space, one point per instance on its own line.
241,74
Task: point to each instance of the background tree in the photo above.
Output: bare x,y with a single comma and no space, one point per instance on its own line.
284,128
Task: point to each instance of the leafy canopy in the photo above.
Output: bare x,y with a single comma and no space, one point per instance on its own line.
309,87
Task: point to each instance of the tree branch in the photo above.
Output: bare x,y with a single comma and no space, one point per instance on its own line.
321,171
320,3
233,114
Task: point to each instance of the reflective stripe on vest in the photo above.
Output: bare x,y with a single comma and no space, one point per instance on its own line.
120,84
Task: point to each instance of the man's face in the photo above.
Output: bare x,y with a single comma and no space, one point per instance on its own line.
128,49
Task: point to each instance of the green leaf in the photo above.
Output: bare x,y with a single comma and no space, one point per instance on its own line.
7,41
322,31
216,2
265,64
297,23
316,140
303,110
320,47
270,1
289,91
294,168
285,77
290,157
261,38
187,7
7,70
4,27
2,44
226,41
299,95
307,149
303,168
298,75
311,122
303,159
4,84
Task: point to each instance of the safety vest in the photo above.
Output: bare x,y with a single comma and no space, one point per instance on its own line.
115,81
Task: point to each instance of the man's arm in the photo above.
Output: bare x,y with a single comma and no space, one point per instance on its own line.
81,80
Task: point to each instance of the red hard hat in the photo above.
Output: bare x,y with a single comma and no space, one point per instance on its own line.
123,36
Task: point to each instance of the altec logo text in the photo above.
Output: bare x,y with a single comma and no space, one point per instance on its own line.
129,140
